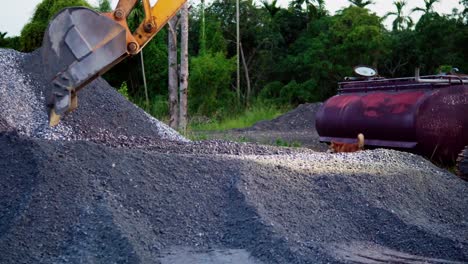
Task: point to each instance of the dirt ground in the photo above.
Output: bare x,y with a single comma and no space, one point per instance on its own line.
112,185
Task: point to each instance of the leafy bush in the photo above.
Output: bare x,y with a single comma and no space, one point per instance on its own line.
297,93
159,107
271,93
209,85
123,90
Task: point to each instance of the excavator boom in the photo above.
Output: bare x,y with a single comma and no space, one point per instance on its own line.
80,45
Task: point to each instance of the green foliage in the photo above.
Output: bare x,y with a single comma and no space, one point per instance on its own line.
271,93
104,6
441,40
8,42
215,41
123,90
401,21
356,36
293,55
444,69
257,112
159,107
361,3
296,93
209,85
283,143
33,32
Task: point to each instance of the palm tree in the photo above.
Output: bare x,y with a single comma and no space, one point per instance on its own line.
401,21
272,8
428,7
320,8
3,39
314,11
299,3
361,3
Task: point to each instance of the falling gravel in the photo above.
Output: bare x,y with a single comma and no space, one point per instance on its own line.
112,185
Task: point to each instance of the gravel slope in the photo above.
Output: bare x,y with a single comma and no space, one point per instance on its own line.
111,185
102,112
65,202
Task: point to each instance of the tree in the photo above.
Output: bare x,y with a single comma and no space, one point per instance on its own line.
428,7
272,7
441,40
3,41
104,6
210,80
361,3
184,67
401,21
401,54
312,10
9,42
464,12
33,32
173,75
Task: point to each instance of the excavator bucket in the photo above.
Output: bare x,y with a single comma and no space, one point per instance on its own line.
79,45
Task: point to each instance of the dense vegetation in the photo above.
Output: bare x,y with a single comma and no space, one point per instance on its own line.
290,55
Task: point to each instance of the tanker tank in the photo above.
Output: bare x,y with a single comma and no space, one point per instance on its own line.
427,115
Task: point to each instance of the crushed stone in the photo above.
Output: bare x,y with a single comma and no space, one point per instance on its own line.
102,111
112,185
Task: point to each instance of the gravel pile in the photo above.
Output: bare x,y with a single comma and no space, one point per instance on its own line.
111,185
102,112
81,202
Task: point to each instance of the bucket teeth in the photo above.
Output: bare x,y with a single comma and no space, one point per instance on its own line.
73,102
79,45
54,118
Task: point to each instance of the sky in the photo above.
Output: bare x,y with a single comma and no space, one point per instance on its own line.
15,14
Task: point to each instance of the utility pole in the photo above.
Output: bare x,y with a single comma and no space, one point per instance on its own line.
238,51
203,36
144,80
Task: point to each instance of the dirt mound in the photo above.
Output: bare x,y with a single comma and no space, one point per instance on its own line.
298,119
112,185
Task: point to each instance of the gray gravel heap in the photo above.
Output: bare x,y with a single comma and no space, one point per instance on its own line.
82,202
111,185
20,108
102,111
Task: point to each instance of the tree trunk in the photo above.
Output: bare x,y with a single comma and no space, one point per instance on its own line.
184,68
173,74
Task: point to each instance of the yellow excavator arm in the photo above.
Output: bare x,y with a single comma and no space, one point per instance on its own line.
80,44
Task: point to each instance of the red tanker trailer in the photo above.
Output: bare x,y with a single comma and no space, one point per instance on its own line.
428,114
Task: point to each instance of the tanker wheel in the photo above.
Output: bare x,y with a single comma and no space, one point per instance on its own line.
462,164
